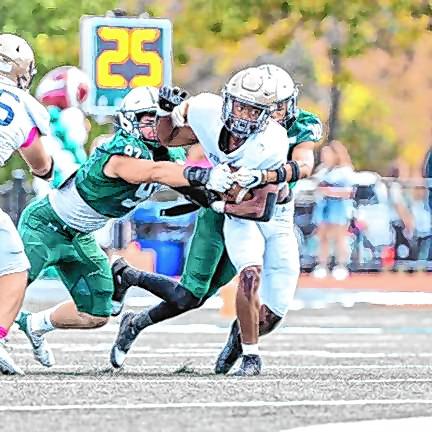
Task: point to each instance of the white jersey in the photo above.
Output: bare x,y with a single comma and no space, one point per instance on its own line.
20,114
265,150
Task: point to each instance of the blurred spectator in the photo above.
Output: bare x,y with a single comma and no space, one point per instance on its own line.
427,173
422,223
334,210
402,219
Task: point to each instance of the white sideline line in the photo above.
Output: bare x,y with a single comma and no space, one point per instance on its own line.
101,349
222,380
215,329
74,367
226,404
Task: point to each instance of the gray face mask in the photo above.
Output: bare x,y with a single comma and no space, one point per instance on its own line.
242,128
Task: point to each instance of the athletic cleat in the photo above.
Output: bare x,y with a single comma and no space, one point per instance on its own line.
125,338
250,366
118,264
231,352
7,365
41,349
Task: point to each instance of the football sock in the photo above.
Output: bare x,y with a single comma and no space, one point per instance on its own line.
41,322
161,286
142,320
164,311
250,349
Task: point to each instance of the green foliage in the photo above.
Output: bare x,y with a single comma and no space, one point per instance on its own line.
350,27
52,29
50,26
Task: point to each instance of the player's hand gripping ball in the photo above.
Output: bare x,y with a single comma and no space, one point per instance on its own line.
237,194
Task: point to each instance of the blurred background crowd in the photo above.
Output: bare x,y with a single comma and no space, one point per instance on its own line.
364,69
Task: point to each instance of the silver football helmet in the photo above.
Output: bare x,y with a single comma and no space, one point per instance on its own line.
17,61
286,90
139,101
254,88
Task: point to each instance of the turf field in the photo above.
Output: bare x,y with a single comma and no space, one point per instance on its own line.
333,364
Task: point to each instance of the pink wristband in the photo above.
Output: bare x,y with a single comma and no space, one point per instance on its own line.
32,136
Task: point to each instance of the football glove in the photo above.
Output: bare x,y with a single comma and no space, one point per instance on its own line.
170,97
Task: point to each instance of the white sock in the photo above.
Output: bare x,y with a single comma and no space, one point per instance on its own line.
41,321
250,349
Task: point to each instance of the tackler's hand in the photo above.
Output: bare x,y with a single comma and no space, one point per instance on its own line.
170,97
220,178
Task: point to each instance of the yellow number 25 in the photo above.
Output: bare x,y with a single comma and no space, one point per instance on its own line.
129,47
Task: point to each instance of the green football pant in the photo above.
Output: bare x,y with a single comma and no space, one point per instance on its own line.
81,264
207,266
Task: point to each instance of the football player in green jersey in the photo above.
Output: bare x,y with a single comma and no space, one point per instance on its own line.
208,267
58,230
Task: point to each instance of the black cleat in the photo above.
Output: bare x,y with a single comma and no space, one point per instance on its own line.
250,366
118,264
231,352
125,338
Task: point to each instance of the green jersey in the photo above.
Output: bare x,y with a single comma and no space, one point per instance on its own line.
307,127
89,199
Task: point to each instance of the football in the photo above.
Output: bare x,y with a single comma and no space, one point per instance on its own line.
237,194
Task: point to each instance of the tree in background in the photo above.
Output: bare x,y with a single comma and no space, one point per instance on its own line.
236,31
52,29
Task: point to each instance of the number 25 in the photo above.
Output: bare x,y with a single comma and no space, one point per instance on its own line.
129,46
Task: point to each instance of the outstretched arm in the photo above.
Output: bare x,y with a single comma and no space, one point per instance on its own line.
138,171
299,167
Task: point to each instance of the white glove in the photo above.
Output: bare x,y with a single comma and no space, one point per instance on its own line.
248,178
178,115
218,206
221,178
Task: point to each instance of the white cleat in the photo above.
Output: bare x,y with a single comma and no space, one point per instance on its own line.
340,273
7,365
118,357
41,349
320,272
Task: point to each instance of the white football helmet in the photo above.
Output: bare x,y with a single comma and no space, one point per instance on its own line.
252,87
17,61
286,90
64,87
139,101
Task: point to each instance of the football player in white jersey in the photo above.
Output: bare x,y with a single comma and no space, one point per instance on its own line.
304,130
235,129
23,120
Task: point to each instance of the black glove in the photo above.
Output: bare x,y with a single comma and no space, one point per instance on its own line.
170,97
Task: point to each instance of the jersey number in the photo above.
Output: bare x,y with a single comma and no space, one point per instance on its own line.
142,193
6,113
132,151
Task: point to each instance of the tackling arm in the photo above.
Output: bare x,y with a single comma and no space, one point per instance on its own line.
37,158
299,167
136,171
